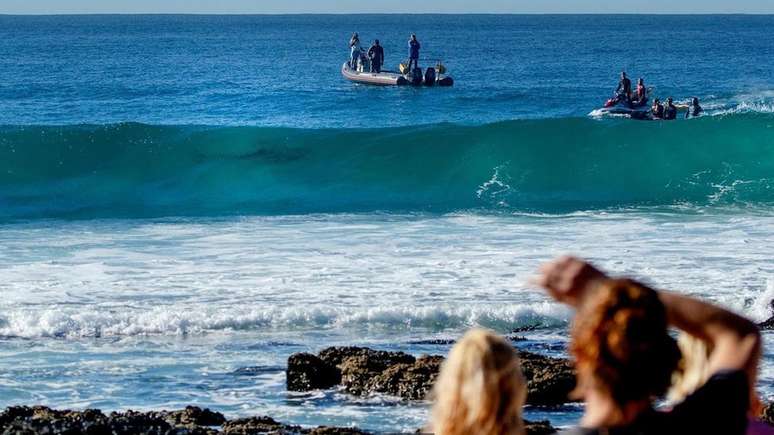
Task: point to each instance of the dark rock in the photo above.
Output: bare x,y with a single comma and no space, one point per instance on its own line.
539,428
194,416
434,341
769,324
134,422
359,371
359,366
549,380
408,381
258,425
528,328
336,356
323,430
190,421
364,371
768,414
308,372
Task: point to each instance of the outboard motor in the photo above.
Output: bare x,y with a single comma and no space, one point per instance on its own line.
430,76
416,77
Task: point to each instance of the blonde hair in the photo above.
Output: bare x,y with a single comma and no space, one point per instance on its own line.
694,371
480,389
694,368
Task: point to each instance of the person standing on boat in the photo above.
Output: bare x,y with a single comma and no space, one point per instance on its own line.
625,87
376,54
354,46
414,47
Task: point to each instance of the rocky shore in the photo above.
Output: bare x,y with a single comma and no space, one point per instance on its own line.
356,370
23,420
40,420
362,371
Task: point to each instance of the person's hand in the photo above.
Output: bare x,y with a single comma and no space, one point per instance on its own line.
569,279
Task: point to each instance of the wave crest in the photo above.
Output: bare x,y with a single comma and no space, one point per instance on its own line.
549,165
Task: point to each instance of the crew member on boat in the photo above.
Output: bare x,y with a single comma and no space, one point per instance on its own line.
414,47
625,87
376,55
354,46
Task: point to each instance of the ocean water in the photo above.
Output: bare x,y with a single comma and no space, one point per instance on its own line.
187,200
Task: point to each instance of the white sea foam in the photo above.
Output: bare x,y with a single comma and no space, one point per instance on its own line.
357,273
80,323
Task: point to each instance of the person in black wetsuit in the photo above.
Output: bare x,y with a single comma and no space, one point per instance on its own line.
414,47
625,87
657,109
625,357
670,111
694,110
376,54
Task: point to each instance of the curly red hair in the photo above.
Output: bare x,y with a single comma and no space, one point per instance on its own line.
621,344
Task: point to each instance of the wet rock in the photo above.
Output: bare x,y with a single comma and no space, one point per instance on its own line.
376,358
768,414
549,380
134,422
336,431
408,381
434,341
307,372
190,421
363,371
769,324
539,428
258,425
40,420
364,366
194,416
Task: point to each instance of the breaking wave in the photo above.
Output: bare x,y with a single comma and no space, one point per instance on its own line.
546,165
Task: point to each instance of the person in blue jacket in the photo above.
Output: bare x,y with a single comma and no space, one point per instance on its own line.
413,52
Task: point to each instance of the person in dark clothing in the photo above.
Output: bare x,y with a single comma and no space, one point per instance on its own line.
376,54
625,356
657,109
625,87
670,111
414,47
694,110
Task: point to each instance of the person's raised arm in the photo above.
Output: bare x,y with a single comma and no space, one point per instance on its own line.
734,340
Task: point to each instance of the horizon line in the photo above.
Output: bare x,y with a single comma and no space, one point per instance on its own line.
43,14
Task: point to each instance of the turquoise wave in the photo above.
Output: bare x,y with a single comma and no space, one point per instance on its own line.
547,165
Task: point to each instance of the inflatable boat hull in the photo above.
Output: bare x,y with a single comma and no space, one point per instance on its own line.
390,78
385,78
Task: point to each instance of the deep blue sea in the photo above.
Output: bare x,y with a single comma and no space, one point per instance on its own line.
187,200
